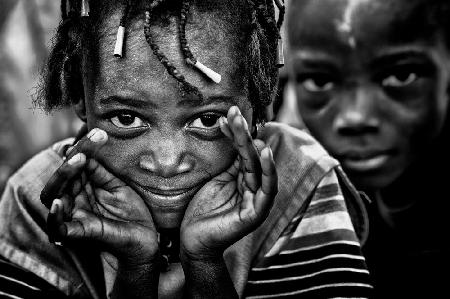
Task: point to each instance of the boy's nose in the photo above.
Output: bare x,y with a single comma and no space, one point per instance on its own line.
167,160
357,114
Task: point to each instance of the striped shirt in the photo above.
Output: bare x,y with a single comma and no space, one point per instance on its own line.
17,283
317,256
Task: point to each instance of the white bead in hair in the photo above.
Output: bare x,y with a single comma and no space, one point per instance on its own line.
118,49
280,50
85,9
208,72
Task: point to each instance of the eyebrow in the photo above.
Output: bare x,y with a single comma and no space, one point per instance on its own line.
315,60
390,56
127,101
195,102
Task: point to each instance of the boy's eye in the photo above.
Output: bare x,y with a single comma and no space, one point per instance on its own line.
400,79
127,120
206,121
317,83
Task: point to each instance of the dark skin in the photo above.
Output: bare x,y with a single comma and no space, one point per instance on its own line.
372,85
164,161
374,95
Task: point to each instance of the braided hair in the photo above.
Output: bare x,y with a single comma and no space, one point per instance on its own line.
62,83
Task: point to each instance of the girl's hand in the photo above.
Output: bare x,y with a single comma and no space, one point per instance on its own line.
234,203
92,205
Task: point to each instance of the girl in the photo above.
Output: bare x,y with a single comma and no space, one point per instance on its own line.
168,195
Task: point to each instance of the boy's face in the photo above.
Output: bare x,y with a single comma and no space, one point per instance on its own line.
370,90
162,144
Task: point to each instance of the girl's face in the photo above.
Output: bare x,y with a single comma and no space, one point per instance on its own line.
162,144
371,83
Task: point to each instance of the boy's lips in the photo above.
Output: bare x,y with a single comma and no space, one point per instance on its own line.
363,161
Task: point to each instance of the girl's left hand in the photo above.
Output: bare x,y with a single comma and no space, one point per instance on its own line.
235,202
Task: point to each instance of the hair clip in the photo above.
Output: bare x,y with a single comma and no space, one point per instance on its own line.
280,50
118,49
216,77
85,9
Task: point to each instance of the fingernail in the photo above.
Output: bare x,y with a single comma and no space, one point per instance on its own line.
234,110
77,159
70,150
222,121
97,135
266,153
56,205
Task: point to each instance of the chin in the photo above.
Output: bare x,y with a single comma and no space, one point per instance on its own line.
372,182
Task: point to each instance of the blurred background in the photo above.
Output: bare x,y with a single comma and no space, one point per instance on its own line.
26,29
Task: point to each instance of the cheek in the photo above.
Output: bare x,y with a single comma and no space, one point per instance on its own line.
317,112
214,157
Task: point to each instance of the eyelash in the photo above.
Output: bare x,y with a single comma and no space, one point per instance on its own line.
208,133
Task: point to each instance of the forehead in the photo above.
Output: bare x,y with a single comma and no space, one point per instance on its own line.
218,43
352,23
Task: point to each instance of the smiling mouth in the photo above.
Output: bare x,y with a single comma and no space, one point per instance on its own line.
169,199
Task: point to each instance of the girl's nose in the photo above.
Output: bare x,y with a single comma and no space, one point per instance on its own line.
166,160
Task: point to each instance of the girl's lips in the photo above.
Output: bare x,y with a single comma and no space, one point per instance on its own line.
168,199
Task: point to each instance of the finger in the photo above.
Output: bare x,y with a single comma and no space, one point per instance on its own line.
247,151
88,227
269,183
55,220
67,206
90,144
101,177
62,178
84,199
87,146
225,128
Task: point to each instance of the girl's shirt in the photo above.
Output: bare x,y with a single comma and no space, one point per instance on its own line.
308,246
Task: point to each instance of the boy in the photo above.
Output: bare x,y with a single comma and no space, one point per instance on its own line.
372,81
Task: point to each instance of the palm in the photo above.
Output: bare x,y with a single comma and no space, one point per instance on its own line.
106,208
233,203
214,218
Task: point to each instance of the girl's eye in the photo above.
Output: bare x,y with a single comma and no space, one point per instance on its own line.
318,84
400,79
127,120
206,121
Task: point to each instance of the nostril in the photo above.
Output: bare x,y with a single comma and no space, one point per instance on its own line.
166,167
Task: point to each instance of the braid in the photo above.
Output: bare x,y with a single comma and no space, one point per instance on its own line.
184,44
262,58
171,69
63,76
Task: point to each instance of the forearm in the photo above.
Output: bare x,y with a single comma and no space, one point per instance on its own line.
207,278
136,282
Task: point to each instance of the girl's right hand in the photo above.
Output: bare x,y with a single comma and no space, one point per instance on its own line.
89,204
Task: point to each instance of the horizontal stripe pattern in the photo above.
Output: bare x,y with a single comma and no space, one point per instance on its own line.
318,255
16,282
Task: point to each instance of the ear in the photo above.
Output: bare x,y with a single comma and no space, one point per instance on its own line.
73,86
80,109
